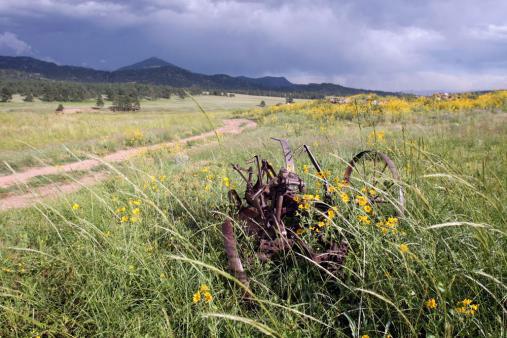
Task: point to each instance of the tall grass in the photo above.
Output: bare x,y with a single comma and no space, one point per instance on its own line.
85,271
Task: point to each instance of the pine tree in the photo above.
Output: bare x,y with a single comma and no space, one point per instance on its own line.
60,108
5,94
100,101
28,97
262,104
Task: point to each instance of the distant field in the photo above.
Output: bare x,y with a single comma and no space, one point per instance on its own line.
32,131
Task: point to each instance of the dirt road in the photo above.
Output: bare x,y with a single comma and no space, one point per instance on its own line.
233,126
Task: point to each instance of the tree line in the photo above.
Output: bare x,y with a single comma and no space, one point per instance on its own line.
63,91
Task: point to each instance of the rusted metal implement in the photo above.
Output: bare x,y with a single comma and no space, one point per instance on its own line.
270,215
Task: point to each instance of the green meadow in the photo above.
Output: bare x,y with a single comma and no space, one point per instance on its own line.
34,135
126,257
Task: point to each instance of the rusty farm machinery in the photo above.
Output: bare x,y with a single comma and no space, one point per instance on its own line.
274,203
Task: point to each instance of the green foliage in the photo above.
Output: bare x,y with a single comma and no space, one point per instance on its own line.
123,102
5,94
100,101
126,257
28,97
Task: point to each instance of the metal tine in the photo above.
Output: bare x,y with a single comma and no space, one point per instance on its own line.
239,170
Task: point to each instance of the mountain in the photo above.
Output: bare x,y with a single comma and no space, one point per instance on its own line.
51,70
152,62
159,72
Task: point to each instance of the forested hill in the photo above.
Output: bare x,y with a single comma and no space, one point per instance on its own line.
159,72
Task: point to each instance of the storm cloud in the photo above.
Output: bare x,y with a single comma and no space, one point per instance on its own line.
389,45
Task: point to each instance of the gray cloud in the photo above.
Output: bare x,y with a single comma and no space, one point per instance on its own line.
391,45
11,44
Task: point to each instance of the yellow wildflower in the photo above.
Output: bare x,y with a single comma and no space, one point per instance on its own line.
124,218
204,288
330,213
367,209
404,248
361,200
136,211
467,307
226,182
365,336
431,304
120,210
321,224
162,178
340,183
135,202
300,231
392,221
208,297
75,206
304,206
196,297
345,197
134,219
305,169
331,189
373,192
323,174
364,219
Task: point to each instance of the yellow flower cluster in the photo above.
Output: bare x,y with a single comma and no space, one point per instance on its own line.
135,212
376,137
305,200
134,137
393,107
363,219
208,178
467,307
361,200
152,184
202,294
388,226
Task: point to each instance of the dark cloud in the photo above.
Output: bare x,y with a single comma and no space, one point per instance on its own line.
391,44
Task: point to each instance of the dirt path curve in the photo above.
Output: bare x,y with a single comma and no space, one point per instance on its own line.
11,201
16,201
233,126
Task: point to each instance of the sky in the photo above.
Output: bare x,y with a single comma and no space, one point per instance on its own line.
395,45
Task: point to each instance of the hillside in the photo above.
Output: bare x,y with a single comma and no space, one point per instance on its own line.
159,72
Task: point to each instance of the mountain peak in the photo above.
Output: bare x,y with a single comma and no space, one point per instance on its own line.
152,62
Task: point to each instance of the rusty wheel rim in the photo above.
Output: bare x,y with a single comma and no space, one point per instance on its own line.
376,170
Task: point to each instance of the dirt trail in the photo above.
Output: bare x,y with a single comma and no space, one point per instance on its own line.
50,190
233,126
